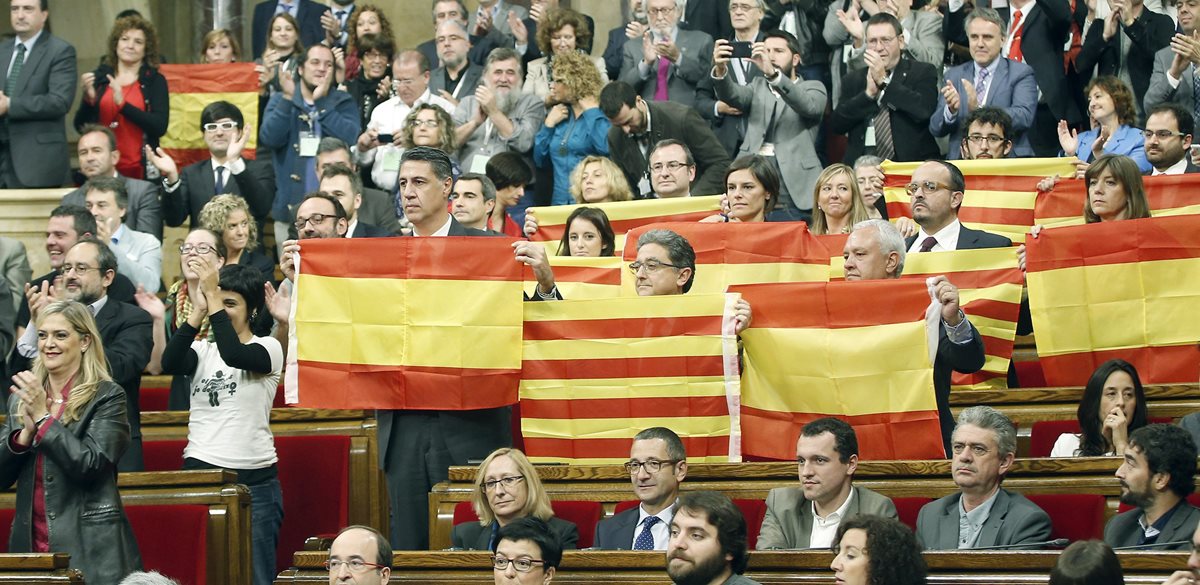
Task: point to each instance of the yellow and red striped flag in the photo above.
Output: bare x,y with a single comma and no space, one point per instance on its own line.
407,323
852,350
596,372
625,215
744,253
1125,289
1167,195
581,277
195,86
1000,195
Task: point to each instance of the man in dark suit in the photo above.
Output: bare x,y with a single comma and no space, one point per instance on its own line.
1173,76
98,156
1156,478
481,46
637,125
378,208
1124,44
728,121
342,182
657,465
936,193
38,91
708,16
632,26
458,76
985,444
1168,138
1037,32
306,12
884,109
667,63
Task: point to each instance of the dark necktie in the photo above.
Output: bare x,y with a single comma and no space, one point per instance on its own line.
645,540
10,85
219,186
884,148
341,17
927,244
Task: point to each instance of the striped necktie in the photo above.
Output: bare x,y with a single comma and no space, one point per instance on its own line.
10,85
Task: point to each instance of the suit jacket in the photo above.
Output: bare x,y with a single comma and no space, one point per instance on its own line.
789,519
1127,140
308,15
1013,520
912,97
616,533
614,51
730,130
969,239
1149,33
1160,91
139,257
15,264
1044,31
366,230
1189,169
708,16
128,335
673,120
144,211
256,185
1012,88
378,209
476,536
500,22
925,43
695,61
37,111
471,77
1124,530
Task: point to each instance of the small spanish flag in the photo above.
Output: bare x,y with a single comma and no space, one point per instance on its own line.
625,215
193,87
582,277
1167,195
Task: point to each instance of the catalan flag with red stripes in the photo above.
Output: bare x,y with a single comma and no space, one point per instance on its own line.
407,323
625,215
582,277
852,350
1167,195
1124,289
1000,194
195,86
596,372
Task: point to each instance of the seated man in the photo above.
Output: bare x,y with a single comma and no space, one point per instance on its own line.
472,201
1168,138
139,255
1156,478
672,169
982,513
657,464
808,516
362,554
989,135
708,541
527,551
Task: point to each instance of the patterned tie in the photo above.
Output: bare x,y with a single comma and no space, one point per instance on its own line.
928,243
645,540
1195,93
981,84
10,85
884,148
664,70
219,186
1014,50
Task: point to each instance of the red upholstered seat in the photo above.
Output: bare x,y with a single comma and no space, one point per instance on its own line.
6,521
1043,434
163,455
173,540
909,508
1073,516
153,399
626,505
314,472
585,516
1030,374
753,511
279,403
463,512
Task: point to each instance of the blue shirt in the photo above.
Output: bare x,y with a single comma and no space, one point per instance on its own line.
568,143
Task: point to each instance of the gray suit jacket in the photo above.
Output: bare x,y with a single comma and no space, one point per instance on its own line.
144,212
1012,89
500,24
38,109
139,258
472,76
789,519
1160,90
695,61
1124,530
15,264
1013,520
796,114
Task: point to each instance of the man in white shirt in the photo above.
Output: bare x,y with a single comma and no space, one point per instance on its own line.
1168,136
657,465
936,194
139,255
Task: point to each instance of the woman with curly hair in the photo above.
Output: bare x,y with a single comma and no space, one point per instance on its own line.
574,127
220,47
563,31
1110,104
229,215
367,19
873,550
128,94
1112,407
429,125
837,203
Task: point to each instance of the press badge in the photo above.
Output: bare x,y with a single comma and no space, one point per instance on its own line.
390,159
308,143
479,164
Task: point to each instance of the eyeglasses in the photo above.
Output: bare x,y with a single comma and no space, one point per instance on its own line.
355,565
649,265
522,565
404,82
80,268
316,219
508,482
1161,134
671,166
214,126
926,186
198,248
977,450
651,466
742,7
992,139
425,123
653,12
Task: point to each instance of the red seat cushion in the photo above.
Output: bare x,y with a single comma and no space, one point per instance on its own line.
6,522
626,505
585,516
1073,516
279,403
153,399
753,511
464,512
1030,374
163,455
909,508
1043,434
173,540
314,472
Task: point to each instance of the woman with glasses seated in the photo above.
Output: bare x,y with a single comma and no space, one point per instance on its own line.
751,190
507,488
527,552
229,215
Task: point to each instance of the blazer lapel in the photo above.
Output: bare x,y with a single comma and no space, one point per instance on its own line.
948,526
999,80
990,531
32,60
1174,529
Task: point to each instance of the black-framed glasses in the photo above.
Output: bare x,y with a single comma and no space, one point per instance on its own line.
650,266
522,564
316,219
80,268
214,126
925,186
355,565
650,465
198,248
670,166
992,139
507,482
1161,134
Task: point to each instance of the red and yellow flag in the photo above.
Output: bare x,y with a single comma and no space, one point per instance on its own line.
1125,289
1167,196
581,277
596,372
407,323
195,86
853,350
625,215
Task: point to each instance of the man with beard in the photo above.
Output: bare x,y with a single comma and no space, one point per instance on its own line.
657,465
499,116
936,193
343,183
320,215
707,545
988,136
1156,478
981,513
457,77
98,157
1168,138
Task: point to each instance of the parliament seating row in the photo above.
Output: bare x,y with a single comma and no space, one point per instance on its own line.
38,569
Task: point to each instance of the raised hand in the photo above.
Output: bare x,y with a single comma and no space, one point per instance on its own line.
951,94
88,81
946,294
972,96
519,31
238,144
279,303
287,81
722,52
556,115
531,225
1068,138
758,56
163,162
150,303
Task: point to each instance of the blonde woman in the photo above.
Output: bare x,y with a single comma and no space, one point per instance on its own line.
507,487
837,203
220,47
597,179
229,216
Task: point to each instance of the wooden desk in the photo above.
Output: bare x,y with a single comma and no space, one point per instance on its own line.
33,568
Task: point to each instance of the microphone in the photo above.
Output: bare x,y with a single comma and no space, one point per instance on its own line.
1153,545
1030,545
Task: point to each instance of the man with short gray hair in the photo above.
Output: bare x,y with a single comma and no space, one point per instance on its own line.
666,265
981,513
151,578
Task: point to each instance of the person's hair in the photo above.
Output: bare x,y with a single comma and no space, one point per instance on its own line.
990,15
332,144
354,43
373,42
679,250
341,170
147,578
105,130
687,152
215,214
297,46
339,210
1168,449
445,133
246,281
726,517
990,419
578,74
793,44
991,115
845,441
1091,438
537,502
82,220
440,161
599,219
487,189
219,110
222,251
383,548
957,181
504,54
893,555
537,531
884,18
127,13
414,56
1122,97
105,257
93,365
867,160
461,8
675,448
1087,562
618,185
890,240
215,35
554,21
614,96
128,23
114,185
858,209
1183,116
1126,172
763,171
508,169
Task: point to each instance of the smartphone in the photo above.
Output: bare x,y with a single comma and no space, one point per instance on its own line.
741,50
385,138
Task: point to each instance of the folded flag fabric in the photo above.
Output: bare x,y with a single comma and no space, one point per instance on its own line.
625,215
1167,195
852,350
195,86
407,323
581,277
1124,289
596,372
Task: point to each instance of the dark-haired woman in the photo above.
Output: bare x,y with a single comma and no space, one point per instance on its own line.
873,550
1113,406
751,190
588,233
1111,105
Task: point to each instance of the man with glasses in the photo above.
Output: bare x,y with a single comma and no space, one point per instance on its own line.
666,265
672,170
527,553
360,555
139,255
1168,137
657,465
729,121
989,132
98,157
666,63
935,196
981,513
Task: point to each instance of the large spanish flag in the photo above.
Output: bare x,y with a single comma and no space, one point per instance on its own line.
1000,195
581,277
1167,195
407,323
744,253
852,350
195,86
596,372
1125,289
625,215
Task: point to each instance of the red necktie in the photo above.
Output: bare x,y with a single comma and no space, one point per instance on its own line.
1076,43
1014,50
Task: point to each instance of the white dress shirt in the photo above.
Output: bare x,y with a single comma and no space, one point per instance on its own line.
824,529
947,238
661,531
389,118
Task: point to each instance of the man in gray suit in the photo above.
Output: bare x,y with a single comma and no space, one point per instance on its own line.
493,18
14,266
667,63
1174,76
1156,478
657,465
38,90
139,255
808,516
982,513
98,156
458,77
